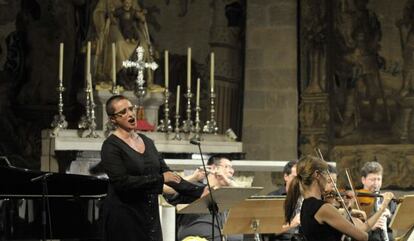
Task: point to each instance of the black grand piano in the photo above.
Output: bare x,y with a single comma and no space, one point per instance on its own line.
73,205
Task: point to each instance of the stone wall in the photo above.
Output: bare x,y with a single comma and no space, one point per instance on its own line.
270,112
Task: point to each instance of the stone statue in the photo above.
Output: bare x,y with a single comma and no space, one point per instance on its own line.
129,20
314,32
406,29
121,22
358,35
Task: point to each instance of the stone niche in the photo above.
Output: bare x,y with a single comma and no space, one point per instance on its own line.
397,161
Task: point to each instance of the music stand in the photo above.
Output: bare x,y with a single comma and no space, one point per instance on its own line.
402,220
225,197
256,216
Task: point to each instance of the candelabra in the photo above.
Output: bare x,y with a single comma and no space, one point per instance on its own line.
177,135
165,124
92,123
188,124
59,121
197,128
211,125
84,121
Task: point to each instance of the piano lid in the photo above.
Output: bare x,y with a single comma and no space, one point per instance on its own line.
17,181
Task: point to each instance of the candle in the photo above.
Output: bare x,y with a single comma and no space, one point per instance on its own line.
212,72
177,104
189,68
61,62
88,59
113,64
166,68
198,93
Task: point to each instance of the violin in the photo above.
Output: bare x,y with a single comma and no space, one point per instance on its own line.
347,196
367,198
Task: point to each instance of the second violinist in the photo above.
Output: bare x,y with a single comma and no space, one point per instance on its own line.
371,178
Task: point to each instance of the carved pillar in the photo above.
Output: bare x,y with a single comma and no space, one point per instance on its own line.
225,43
404,126
314,123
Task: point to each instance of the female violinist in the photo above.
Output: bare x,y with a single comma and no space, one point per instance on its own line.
321,220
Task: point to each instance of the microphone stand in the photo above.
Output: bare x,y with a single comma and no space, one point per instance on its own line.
212,207
45,204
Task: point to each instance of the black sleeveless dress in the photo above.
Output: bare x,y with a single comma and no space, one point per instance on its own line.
312,230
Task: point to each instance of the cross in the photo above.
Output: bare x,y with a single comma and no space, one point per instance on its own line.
141,65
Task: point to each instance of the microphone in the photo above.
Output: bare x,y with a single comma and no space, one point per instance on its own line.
195,142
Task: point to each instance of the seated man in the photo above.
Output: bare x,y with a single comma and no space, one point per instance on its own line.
220,173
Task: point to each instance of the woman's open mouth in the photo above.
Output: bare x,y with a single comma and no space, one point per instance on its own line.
131,120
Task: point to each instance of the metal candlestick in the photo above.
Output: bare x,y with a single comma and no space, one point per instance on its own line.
197,128
165,124
92,123
211,125
188,124
177,135
108,125
59,121
84,121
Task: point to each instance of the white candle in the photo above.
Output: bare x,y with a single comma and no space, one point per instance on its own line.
189,68
166,68
212,72
177,104
198,93
88,59
61,62
113,64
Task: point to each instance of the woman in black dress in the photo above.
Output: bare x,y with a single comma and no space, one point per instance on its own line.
136,176
321,220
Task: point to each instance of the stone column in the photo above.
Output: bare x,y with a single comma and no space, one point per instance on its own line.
225,42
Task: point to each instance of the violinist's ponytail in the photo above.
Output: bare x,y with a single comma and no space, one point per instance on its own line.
292,199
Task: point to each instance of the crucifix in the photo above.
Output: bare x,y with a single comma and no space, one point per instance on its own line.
140,91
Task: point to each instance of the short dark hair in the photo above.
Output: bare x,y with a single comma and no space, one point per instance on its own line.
287,169
109,107
371,167
216,159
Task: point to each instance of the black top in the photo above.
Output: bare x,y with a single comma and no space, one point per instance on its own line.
130,211
312,230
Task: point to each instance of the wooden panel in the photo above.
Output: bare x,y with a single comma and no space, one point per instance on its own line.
268,212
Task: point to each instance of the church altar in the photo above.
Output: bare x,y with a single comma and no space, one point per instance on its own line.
88,150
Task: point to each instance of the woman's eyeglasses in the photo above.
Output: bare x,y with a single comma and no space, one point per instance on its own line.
125,110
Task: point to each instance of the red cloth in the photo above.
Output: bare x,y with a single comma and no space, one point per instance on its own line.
143,125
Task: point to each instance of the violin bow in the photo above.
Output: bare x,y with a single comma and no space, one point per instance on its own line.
318,151
348,176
